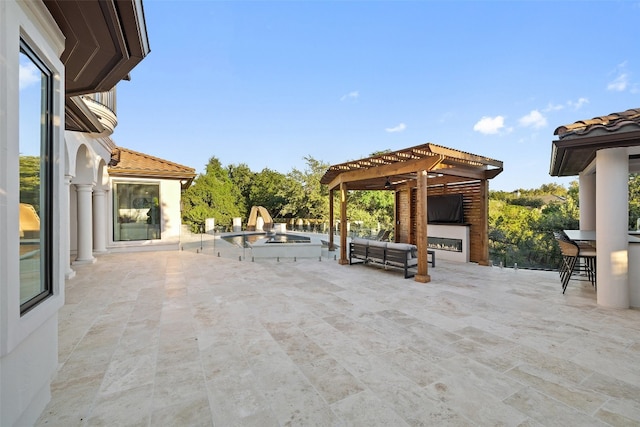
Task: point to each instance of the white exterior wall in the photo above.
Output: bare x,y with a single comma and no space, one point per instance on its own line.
587,197
170,194
29,343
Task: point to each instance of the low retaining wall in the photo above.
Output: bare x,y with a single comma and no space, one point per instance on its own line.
262,249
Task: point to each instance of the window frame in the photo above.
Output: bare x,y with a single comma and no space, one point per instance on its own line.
46,182
115,201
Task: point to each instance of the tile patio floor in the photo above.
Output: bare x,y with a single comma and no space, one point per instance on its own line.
186,339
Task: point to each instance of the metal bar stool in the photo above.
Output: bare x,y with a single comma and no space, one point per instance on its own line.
576,258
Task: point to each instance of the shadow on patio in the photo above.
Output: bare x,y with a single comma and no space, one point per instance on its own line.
180,338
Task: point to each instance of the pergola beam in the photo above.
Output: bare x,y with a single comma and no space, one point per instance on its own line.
398,168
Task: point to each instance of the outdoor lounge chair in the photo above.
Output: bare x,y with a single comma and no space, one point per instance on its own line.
385,236
377,236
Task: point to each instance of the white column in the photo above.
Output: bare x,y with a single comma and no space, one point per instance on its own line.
66,234
587,201
85,233
612,211
99,221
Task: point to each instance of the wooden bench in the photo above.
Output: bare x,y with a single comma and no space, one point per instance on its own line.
398,255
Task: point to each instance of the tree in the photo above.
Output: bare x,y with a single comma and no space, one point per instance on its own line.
374,208
269,189
521,227
212,195
241,177
30,181
634,200
307,198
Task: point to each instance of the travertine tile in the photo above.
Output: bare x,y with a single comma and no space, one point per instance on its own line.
178,338
236,397
620,412
413,365
366,409
547,411
131,407
491,382
128,373
571,395
330,379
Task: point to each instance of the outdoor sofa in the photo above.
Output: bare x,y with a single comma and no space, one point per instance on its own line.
388,254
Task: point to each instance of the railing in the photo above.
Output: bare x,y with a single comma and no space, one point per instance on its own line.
108,99
539,252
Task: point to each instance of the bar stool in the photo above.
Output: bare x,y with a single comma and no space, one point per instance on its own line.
576,258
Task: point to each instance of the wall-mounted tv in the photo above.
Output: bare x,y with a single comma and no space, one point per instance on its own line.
445,209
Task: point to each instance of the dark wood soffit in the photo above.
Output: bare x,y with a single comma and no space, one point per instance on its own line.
105,40
571,156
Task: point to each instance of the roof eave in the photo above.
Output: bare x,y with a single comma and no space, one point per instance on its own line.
105,40
586,147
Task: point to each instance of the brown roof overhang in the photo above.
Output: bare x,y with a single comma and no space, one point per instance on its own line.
105,40
129,163
569,157
578,142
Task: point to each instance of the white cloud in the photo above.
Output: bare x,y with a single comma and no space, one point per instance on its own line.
620,83
351,96
574,105
28,75
553,107
400,128
489,125
534,119
578,104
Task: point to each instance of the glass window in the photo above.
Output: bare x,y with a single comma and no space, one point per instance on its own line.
35,139
136,211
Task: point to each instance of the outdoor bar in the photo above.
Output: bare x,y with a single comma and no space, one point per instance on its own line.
602,152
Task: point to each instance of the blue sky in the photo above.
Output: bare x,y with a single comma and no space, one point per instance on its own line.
268,83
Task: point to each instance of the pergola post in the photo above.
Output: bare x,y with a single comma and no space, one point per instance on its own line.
343,224
421,236
484,225
331,221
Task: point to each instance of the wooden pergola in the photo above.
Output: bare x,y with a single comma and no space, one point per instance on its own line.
413,173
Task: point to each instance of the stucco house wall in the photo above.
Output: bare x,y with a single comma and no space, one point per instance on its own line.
28,343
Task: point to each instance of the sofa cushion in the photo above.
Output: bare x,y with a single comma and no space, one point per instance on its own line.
377,244
409,248
400,246
359,241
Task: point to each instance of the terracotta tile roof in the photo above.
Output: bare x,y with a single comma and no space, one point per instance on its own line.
579,142
610,123
133,163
